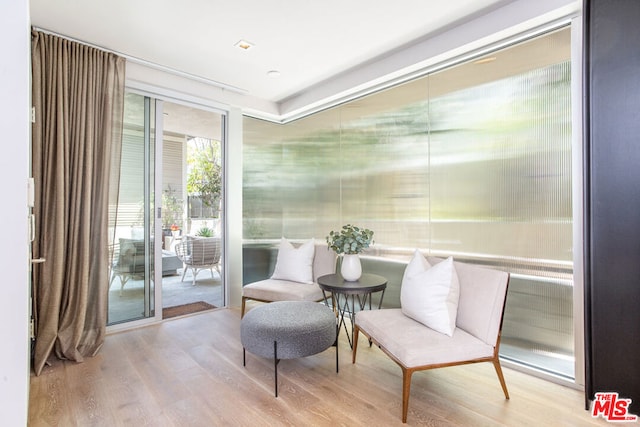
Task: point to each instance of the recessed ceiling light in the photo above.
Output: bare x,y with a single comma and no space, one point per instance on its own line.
274,74
244,45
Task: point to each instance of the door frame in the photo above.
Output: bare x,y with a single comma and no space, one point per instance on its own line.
159,96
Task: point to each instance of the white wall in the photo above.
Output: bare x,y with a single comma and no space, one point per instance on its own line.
233,188
14,169
147,78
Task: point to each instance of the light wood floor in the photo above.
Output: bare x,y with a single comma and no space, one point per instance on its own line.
188,372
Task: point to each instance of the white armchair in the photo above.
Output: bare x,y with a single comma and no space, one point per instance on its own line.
415,347
281,289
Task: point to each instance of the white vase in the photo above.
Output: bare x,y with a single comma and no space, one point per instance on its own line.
351,269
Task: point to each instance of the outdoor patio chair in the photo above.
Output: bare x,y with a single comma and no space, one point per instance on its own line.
130,261
199,253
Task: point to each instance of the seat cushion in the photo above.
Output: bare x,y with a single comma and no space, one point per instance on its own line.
282,290
414,344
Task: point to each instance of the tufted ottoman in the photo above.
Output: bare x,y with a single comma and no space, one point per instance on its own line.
288,330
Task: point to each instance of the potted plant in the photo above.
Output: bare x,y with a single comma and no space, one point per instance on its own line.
175,230
205,232
349,242
172,209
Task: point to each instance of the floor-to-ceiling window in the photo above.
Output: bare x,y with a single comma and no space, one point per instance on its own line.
473,160
169,195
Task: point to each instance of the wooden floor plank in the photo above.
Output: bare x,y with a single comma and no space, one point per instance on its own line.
188,372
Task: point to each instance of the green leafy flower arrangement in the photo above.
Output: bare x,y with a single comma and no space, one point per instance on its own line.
350,240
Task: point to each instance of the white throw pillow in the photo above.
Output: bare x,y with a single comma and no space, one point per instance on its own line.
295,264
429,294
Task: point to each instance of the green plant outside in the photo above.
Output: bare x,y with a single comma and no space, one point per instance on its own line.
172,209
205,172
205,232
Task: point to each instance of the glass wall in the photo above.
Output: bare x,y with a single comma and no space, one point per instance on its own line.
472,161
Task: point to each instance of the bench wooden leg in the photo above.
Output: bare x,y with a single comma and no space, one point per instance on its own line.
406,391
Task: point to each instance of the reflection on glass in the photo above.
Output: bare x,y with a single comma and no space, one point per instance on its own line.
132,218
473,161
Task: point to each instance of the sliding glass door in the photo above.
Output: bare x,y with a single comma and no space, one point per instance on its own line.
132,220
169,184
192,226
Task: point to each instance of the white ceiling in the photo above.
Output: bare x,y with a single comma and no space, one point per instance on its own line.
309,42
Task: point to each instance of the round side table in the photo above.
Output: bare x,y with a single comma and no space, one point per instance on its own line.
345,291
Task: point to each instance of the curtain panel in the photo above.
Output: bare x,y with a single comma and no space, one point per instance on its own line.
78,97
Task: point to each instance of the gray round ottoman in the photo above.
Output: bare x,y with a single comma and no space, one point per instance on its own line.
288,330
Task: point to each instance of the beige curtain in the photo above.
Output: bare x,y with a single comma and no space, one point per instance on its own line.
78,96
